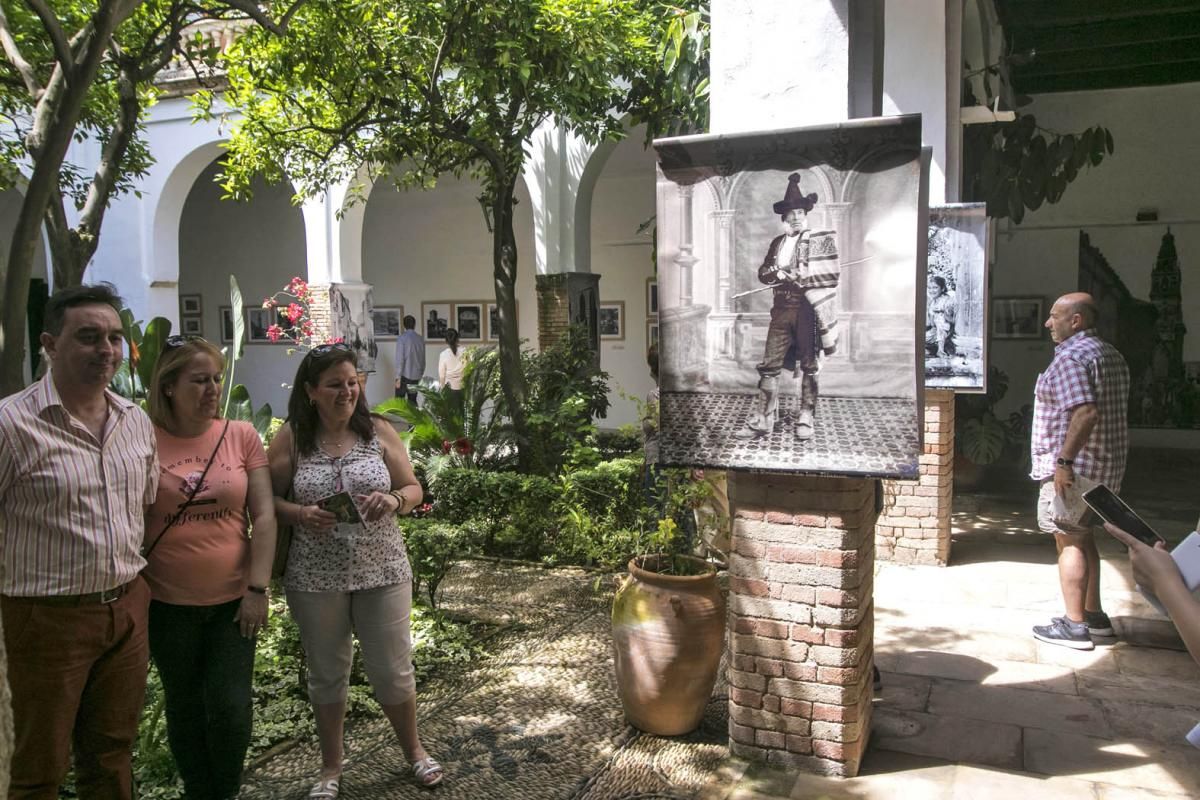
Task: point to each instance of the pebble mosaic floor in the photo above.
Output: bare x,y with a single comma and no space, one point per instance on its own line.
537,720
868,437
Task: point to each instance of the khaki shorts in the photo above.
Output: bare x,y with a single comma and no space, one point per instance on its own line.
1045,519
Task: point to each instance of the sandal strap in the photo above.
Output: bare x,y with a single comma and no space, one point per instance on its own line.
428,770
324,790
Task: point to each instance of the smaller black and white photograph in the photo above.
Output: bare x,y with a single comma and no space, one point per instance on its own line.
652,297
611,320
435,320
468,319
226,324
191,326
651,334
1018,317
386,320
493,321
190,305
259,320
956,298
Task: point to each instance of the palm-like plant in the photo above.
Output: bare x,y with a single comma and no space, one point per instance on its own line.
470,435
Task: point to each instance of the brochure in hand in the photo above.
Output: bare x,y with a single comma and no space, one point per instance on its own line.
342,506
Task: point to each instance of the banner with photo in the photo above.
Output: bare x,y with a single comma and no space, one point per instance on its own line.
791,269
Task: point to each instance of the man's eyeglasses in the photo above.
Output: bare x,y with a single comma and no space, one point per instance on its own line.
322,349
179,340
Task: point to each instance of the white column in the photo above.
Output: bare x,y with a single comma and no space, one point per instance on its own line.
333,246
723,231
685,260
560,176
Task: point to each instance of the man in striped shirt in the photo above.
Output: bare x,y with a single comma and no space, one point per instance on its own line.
78,466
1079,428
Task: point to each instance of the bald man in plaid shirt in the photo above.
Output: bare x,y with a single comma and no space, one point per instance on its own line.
1079,428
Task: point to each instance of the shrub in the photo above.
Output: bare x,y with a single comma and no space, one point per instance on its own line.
433,546
509,513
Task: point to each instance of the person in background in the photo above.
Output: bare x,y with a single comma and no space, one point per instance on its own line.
410,360
78,467
344,577
451,364
1081,406
208,580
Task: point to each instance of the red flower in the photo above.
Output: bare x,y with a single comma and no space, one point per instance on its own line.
462,446
274,332
294,312
446,446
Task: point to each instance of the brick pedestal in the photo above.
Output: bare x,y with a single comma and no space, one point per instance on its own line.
801,613
914,527
565,299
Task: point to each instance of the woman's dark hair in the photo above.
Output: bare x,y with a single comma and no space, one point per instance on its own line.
452,340
302,414
941,282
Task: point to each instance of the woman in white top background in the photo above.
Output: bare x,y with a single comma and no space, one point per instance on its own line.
450,368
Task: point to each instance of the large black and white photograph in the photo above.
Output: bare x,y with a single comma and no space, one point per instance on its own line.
791,276
352,321
956,298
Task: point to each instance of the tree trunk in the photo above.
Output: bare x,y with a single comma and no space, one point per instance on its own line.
504,263
43,185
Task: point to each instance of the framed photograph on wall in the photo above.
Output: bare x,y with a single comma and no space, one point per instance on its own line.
652,297
468,319
611,320
435,319
493,320
226,325
387,321
1018,317
191,326
259,320
190,305
651,334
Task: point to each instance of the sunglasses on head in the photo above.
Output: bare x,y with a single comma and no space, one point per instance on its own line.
322,349
179,340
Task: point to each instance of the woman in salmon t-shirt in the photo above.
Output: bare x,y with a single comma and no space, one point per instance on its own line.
208,578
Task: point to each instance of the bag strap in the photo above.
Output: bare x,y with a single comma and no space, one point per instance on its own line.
191,495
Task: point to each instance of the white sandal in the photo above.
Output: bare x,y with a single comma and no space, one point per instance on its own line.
325,789
428,771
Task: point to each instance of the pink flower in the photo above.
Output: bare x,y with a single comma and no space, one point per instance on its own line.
269,303
274,333
294,312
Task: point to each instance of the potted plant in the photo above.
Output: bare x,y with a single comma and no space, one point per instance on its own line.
982,439
668,625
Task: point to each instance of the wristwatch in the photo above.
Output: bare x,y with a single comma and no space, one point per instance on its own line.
1065,462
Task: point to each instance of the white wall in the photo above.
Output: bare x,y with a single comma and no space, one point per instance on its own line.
433,246
1155,163
262,243
623,200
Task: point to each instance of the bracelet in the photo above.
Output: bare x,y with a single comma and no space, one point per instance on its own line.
1065,462
399,495
256,589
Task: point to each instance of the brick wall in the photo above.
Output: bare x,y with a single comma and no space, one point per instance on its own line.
320,311
914,527
554,309
801,619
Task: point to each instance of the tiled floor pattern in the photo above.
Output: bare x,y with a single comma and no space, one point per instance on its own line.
853,436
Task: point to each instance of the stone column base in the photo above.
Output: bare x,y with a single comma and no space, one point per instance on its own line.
801,613
914,527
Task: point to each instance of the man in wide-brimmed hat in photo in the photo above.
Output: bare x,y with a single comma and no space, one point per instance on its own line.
802,266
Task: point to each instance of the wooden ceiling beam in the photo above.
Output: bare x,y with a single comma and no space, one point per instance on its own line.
1185,72
1042,14
1104,34
1106,58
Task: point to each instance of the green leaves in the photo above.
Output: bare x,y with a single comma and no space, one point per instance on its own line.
1018,166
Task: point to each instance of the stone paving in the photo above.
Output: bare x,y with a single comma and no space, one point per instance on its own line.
972,706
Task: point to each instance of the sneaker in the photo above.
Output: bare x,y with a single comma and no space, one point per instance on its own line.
1063,632
1098,623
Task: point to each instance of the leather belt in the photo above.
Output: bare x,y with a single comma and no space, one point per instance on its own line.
89,599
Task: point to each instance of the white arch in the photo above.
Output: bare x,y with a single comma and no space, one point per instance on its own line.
171,190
